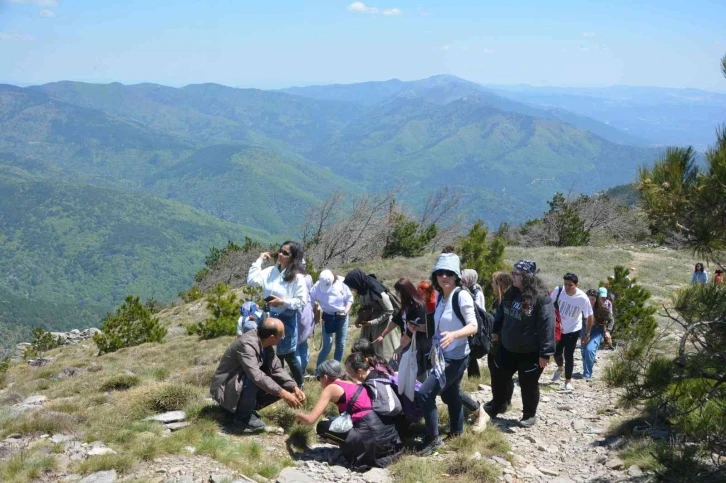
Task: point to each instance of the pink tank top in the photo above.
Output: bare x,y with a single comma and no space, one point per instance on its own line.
362,405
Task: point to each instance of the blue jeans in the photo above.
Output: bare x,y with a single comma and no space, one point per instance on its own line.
333,324
449,394
303,355
288,343
589,351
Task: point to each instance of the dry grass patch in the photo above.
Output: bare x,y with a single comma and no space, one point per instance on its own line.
200,376
413,469
158,398
465,469
26,466
44,422
120,463
641,452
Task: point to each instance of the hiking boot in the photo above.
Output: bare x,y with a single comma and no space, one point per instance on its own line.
557,375
494,411
528,422
480,420
432,447
253,424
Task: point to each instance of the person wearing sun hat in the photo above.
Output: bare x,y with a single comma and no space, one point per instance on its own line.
335,300
524,325
449,353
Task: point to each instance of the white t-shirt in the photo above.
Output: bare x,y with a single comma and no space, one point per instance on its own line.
572,308
334,301
445,320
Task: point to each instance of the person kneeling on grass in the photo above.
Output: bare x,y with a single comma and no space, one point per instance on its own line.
372,442
250,377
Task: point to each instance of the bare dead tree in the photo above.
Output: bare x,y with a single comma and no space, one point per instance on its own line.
441,208
335,236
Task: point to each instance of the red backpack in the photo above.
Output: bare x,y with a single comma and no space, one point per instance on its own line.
558,317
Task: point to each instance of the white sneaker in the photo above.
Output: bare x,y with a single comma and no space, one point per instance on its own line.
557,375
569,386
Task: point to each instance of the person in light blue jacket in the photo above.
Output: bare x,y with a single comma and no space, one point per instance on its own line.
699,274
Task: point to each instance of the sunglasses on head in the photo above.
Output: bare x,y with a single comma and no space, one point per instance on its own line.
284,253
441,273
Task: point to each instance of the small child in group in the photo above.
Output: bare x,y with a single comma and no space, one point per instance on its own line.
250,316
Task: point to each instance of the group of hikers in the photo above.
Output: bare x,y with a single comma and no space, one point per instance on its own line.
416,343
700,275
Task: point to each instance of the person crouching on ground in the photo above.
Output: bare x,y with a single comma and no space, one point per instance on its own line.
371,442
449,352
285,292
250,377
525,327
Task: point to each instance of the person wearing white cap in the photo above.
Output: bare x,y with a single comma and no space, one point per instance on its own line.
335,300
449,352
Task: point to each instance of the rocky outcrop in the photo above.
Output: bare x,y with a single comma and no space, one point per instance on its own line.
74,336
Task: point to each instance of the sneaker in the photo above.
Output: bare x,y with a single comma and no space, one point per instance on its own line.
480,420
528,422
432,447
253,424
557,375
569,386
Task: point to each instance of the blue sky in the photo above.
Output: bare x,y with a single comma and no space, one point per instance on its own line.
273,44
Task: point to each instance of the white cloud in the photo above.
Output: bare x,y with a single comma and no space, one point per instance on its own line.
446,47
488,52
588,34
15,36
47,13
360,7
40,3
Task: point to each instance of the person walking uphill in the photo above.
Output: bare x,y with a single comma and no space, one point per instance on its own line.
449,351
376,313
525,327
573,305
601,328
250,377
285,292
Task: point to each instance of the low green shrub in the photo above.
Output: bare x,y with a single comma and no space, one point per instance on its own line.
120,382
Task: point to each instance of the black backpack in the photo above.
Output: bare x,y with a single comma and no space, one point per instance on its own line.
480,343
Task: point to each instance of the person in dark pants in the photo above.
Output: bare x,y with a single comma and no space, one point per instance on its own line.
501,281
573,305
250,377
525,327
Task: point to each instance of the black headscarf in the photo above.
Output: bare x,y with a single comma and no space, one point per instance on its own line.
362,283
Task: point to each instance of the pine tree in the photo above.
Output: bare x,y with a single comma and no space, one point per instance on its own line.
482,255
634,316
224,310
568,229
408,238
132,325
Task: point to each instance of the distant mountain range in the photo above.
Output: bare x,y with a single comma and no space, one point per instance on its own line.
117,189
663,116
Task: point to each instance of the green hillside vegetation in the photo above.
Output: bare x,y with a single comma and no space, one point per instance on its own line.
73,245
103,402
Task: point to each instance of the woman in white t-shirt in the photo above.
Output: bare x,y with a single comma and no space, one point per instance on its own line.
572,304
449,352
335,300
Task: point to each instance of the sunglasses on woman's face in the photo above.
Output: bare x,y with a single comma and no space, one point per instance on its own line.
284,253
516,274
444,273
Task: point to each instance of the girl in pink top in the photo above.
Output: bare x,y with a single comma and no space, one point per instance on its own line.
371,442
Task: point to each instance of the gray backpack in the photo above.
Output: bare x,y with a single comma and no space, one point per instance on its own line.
384,400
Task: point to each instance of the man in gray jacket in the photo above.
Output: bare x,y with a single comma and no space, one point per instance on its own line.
250,377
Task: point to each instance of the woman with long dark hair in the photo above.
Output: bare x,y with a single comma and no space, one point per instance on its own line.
375,316
699,274
285,293
524,325
413,315
501,281
603,324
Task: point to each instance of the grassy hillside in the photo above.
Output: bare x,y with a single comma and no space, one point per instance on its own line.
84,248
95,406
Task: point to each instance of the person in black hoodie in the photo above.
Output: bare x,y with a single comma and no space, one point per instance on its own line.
525,327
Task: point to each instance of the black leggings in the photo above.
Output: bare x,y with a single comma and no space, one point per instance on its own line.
567,344
506,364
508,385
295,367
